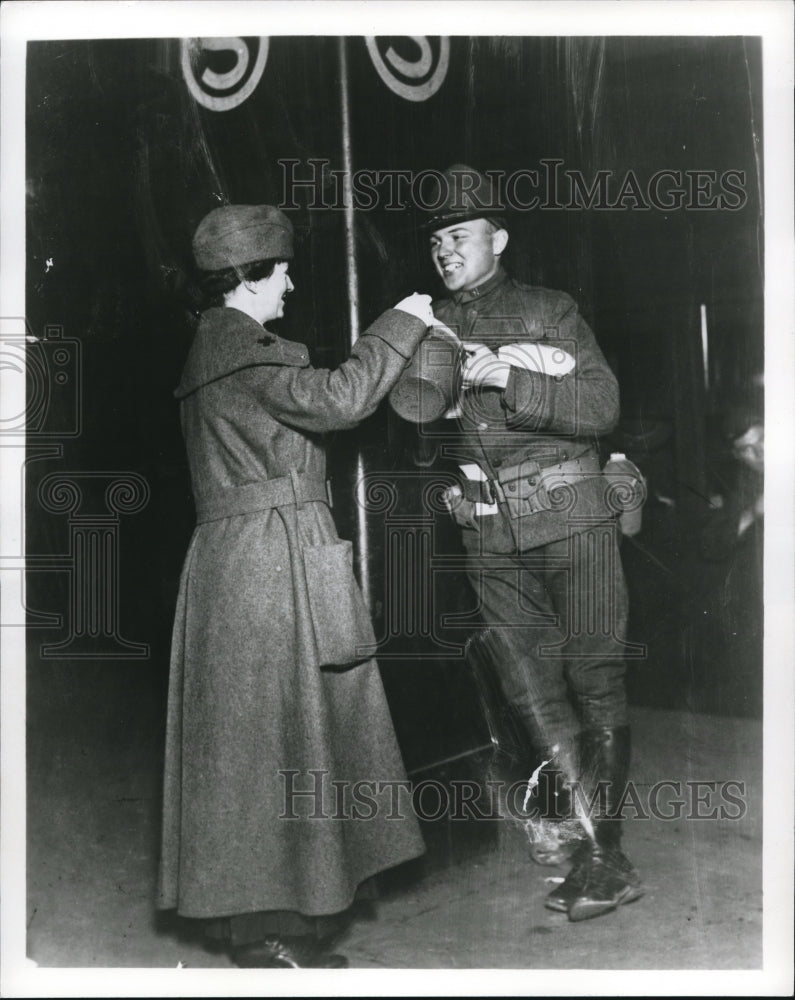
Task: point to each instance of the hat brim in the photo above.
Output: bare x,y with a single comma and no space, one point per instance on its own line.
445,219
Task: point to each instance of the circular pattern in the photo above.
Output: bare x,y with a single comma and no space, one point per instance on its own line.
221,91
379,496
441,495
58,494
562,496
624,493
127,495
413,81
30,365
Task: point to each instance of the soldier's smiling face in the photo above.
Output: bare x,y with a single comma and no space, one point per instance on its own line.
467,253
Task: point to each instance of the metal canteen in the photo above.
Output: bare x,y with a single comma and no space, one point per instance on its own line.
431,382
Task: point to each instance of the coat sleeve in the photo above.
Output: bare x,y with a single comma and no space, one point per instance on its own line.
319,399
583,402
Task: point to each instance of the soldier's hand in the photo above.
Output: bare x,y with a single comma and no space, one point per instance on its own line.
419,306
483,368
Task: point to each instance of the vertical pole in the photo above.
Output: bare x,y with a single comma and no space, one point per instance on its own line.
688,387
705,345
352,283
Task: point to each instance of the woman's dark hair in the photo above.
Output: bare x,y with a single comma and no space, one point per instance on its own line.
214,285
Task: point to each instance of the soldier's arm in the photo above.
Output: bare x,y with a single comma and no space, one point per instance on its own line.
584,401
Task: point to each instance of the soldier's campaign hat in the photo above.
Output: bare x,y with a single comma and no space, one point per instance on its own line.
233,235
458,194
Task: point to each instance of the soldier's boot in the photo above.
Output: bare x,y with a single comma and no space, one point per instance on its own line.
607,878
562,896
552,830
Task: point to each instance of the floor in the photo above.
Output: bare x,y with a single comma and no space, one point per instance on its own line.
475,901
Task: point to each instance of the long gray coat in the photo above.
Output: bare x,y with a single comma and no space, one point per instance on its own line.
247,698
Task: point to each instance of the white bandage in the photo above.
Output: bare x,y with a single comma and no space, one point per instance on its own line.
544,358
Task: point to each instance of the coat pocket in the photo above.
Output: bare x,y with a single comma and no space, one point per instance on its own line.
340,619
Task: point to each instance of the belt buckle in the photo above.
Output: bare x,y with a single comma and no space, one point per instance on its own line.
494,490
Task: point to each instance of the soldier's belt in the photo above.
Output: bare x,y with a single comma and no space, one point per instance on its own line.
296,488
525,488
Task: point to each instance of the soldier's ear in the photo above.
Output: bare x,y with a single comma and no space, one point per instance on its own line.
499,241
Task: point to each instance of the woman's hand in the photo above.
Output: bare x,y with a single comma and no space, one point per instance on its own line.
419,306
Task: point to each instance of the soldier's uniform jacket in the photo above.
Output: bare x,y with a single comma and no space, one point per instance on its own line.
538,418
248,698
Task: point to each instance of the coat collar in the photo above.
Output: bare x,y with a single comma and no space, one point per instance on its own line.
471,294
228,340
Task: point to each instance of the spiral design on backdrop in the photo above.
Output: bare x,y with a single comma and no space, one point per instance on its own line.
412,79
222,90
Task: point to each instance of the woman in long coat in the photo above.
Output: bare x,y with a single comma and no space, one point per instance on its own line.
272,689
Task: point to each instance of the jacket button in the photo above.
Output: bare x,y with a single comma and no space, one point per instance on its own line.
512,487
532,482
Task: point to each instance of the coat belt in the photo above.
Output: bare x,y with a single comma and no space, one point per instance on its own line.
297,488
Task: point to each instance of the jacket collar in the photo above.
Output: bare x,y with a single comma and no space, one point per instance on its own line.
471,294
226,341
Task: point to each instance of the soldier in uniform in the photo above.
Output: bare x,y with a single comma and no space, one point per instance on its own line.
536,522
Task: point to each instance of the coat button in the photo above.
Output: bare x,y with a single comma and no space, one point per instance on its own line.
512,487
532,482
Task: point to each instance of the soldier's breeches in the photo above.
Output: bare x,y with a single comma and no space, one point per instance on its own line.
560,612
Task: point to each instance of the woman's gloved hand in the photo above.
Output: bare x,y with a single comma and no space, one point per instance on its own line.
419,306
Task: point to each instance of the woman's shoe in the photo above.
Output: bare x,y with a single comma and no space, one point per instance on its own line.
287,953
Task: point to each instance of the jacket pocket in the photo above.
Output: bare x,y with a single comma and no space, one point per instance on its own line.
340,619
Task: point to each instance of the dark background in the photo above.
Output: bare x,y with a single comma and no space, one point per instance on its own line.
122,163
